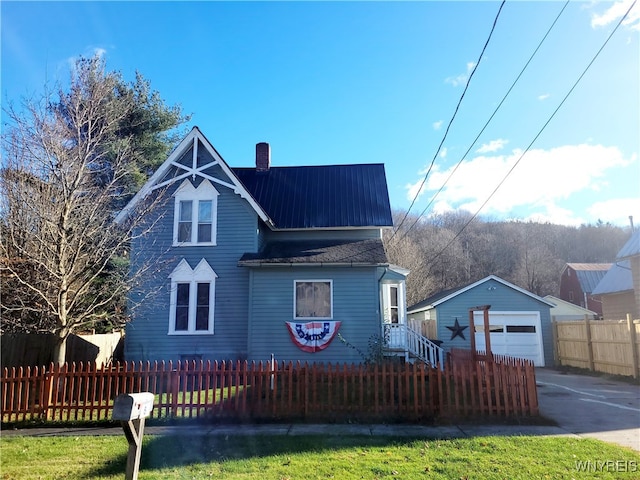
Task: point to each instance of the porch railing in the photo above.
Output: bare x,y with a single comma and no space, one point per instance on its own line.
395,336
424,349
402,337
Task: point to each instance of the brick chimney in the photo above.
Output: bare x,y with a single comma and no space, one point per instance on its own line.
263,157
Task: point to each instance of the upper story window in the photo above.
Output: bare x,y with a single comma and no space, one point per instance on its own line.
313,299
192,299
195,214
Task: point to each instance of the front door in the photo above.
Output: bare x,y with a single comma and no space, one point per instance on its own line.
394,317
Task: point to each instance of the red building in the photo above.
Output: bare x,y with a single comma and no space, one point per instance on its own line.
578,280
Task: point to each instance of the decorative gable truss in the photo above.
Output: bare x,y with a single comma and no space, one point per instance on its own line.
191,168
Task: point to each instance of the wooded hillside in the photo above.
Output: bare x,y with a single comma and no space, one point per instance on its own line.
442,253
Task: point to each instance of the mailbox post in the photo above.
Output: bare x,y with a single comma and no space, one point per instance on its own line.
132,409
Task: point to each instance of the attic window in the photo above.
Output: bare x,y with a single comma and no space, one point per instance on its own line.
195,214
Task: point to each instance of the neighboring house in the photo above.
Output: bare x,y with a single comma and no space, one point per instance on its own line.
519,321
577,282
263,260
619,289
566,311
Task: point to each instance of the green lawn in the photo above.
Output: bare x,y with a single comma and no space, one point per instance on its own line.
316,457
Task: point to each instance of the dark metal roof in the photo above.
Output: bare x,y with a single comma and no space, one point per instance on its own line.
617,279
321,196
363,252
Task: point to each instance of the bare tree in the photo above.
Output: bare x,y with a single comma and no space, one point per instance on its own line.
64,259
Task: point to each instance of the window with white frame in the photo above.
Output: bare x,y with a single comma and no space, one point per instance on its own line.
192,299
195,214
392,299
393,303
313,299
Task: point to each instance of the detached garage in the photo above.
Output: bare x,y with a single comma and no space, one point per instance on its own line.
519,321
516,334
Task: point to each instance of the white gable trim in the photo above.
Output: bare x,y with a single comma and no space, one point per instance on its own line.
203,271
479,282
172,161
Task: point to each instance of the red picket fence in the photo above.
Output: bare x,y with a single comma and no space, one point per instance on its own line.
279,391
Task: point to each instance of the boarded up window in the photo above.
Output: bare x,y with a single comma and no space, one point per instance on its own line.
313,299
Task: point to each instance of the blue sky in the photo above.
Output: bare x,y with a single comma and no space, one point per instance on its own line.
369,82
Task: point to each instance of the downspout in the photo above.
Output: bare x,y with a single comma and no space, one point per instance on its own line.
381,303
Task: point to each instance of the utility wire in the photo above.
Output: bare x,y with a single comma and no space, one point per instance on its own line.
430,261
406,232
495,21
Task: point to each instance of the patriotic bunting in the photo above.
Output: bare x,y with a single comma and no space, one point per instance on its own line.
312,336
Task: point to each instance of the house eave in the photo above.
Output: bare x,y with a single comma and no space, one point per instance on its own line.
331,228
421,309
253,264
194,135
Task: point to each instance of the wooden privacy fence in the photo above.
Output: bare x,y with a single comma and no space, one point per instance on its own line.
609,346
278,391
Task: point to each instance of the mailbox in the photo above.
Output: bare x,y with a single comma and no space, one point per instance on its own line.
132,409
132,406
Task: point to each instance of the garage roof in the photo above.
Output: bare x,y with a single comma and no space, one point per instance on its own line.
447,295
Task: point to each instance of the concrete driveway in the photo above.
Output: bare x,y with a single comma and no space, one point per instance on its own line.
592,407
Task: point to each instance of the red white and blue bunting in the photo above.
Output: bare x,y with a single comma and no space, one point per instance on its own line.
313,336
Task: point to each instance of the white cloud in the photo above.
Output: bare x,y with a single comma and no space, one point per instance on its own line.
544,96
462,78
540,186
616,210
437,125
615,12
554,214
443,152
413,190
493,146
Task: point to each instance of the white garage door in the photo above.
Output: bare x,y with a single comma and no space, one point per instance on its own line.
517,334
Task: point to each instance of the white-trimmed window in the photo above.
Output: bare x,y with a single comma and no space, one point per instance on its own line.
313,299
192,299
393,302
195,214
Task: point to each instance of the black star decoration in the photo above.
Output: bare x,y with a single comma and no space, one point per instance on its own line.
457,329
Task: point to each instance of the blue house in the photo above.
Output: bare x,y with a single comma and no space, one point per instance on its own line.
250,262
519,321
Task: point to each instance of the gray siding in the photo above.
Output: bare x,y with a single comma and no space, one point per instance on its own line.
297,235
147,337
355,304
502,298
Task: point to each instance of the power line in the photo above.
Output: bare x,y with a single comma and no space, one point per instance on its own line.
495,21
406,232
536,136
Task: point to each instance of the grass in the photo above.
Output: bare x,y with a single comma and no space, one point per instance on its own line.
316,457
